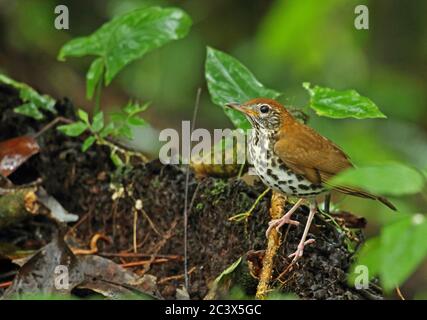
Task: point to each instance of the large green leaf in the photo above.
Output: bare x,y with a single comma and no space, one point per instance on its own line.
230,81
33,102
393,179
396,252
404,247
341,104
129,37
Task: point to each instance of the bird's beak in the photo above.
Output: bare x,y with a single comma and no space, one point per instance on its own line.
239,107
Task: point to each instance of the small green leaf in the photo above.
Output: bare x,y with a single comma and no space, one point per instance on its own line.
118,116
404,247
390,179
93,76
134,108
230,269
98,122
107,130
74,129
32,100
135,121
30,110
88,143
129,37
83,116
125,131
341,104
230,81
116,160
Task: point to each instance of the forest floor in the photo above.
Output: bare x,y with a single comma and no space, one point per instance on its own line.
82,184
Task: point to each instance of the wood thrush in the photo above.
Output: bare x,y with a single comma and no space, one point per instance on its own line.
293,159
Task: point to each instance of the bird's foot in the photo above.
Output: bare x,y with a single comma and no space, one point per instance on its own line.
300,250
278,223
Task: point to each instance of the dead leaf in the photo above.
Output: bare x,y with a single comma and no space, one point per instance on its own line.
14,152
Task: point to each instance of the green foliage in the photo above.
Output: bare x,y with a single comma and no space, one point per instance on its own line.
402,245
120,125
33,102
341,104
73,129
126,38
123,121
396,252
230,81
228,271
394,179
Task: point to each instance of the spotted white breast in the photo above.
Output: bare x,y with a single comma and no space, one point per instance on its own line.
273,172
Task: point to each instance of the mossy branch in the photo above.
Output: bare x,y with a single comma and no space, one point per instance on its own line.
276,211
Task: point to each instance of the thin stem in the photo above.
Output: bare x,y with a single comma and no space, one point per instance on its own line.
98,93
187,178
135,221
247,214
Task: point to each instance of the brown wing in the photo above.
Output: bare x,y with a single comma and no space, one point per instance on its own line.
308,153
316,158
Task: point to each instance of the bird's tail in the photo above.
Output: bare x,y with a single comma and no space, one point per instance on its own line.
364,194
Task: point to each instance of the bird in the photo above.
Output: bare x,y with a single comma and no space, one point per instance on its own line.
293,159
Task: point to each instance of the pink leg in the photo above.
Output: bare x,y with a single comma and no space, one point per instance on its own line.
278,223
300,250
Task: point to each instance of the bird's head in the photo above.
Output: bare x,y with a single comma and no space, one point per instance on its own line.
263,113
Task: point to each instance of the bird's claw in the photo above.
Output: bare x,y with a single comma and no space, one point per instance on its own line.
278,223
300,250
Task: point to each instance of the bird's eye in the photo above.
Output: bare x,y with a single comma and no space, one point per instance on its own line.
264,108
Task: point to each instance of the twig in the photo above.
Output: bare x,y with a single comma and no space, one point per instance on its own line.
247,214
177,277
145,262
50,125
161,243
187,178
276,211
399,294
5,284
135,220
93,245
138,255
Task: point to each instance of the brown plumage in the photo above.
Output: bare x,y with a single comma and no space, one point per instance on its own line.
293,159
308,153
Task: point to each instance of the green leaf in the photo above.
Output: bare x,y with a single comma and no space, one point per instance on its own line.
341,104
404,246
230,81
73,129
30,110
125,131
116,160
93,76
32,100
229,270
98,122
129,37
88,143
134,108
370,256
118,116
390,179
107,130
135,121
83,116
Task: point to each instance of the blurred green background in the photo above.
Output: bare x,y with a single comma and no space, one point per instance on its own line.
283,42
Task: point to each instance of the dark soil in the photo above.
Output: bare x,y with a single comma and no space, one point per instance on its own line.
81,182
